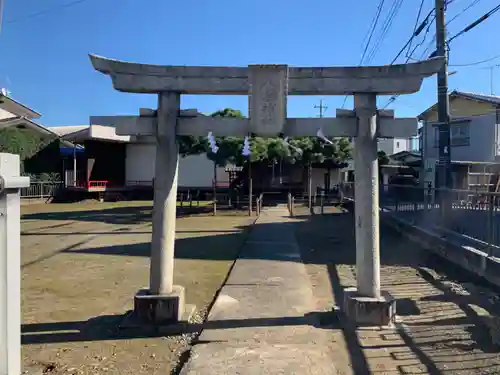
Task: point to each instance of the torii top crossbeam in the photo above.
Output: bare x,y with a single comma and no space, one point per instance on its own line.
382,80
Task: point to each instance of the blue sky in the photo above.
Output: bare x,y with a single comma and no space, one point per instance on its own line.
44,59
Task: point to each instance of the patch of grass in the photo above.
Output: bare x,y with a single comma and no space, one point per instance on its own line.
79,278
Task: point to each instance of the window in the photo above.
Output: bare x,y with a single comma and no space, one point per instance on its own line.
459,134
397,144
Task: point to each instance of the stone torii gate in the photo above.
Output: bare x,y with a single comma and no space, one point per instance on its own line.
267,87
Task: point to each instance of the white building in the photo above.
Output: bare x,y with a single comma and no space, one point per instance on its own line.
138,159
394,145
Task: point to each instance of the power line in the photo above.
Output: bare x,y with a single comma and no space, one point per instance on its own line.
369,34
417,30
474,2
396,6
373,27
474,24
48,10
416,25
477,62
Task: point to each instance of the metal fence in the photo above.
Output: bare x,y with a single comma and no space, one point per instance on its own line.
41,189
471,214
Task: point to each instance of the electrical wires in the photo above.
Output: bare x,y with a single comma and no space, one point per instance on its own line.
42,12
477,62
384,30
369,36
474,24
425,24
393,11
416,32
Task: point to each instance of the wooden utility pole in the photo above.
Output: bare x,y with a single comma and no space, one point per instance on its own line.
444,161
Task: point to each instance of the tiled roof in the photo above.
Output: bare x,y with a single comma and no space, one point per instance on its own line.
480,97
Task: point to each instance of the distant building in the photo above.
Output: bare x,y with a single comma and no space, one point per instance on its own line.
39,147
394,145
474,138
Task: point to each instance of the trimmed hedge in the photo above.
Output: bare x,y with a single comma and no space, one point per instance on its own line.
39,153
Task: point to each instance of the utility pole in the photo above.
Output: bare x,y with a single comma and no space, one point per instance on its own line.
322,108
491,79
492,72
444,161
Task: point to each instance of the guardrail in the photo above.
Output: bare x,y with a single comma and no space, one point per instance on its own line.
41,189
474,214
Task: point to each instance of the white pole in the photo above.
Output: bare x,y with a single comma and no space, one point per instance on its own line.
10,265
367,197
165,195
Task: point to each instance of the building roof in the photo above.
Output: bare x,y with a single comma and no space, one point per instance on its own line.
81,133
20,121
16,108
483,98
403,154
65,130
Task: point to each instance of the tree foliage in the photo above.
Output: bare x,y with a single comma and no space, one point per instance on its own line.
35,150
383,159
302,150
24,142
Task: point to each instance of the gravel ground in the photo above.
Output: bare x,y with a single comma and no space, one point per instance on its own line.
448,320
81,266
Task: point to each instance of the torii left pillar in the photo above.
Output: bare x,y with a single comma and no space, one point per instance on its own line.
163,302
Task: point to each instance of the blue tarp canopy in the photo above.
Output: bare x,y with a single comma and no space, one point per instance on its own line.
69,150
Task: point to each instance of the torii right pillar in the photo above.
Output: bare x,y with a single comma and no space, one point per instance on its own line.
367,304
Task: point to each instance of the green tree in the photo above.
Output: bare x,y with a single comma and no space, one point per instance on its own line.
37,152
383,159
303,151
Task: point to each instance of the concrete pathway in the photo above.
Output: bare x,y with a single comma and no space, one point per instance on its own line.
263,321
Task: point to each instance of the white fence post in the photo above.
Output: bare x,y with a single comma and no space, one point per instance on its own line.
10,264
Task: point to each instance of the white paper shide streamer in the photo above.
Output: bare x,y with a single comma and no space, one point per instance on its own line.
285,141
246,147
322,136
212,143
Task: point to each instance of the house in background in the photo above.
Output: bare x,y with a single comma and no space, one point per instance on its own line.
113,163
40,149
474,138
393,146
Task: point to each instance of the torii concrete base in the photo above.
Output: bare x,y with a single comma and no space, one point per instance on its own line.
369,311
167,313
162,309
